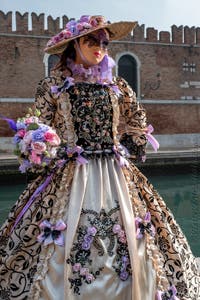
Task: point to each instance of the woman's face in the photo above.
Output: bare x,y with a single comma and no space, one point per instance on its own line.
93,48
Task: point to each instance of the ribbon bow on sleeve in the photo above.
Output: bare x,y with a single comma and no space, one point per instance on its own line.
151,139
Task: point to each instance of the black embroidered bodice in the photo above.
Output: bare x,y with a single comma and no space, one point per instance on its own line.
92,116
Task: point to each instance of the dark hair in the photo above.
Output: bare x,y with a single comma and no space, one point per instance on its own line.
69,52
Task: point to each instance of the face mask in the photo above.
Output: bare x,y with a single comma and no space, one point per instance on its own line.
98,39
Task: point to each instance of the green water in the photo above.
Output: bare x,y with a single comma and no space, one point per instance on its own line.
179,187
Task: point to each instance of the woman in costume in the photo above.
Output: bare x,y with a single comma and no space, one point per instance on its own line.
91,226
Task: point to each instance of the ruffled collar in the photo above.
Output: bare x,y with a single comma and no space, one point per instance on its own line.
101,73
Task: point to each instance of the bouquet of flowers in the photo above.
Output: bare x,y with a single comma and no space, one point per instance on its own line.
35,143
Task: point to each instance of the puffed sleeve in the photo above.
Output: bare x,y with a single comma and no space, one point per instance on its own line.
132,121
44,100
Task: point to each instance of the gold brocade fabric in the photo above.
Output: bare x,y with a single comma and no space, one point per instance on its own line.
121,241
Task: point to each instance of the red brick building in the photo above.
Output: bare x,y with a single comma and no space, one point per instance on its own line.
163,67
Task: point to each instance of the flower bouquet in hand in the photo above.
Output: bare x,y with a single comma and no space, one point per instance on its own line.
35,143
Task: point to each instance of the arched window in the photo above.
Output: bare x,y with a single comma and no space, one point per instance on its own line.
52,61
127,68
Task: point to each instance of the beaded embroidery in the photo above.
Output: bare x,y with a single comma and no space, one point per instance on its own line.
101,226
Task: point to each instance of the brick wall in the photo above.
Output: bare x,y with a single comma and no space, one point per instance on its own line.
162,56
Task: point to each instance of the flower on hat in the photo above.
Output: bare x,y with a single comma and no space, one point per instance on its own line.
75,28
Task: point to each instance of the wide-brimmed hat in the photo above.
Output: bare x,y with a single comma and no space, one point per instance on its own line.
85,25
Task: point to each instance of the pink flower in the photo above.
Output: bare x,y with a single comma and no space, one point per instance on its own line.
50,43
67,34
76,267
56,39
31,120
79,26
38,147
116,228
52,138
35,158
89,277
123,240
121,234
61,35
28,137
21,133
93,22
84,271
23,147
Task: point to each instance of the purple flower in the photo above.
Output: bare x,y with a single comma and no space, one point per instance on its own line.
125,262
116,228
85,18
24,166
92,231
20,125
44,127
88,238
86,245
124,275
16,139
71,25
38,135
84,271
125,259
76,267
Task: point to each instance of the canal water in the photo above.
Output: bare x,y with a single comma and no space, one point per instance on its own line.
178,185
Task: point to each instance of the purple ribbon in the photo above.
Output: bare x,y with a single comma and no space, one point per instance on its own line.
170,294
11,122
28,204
120,159
151,138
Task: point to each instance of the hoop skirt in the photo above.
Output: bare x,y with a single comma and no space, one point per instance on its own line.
98,230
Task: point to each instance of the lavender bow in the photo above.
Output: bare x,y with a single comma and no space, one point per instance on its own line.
144,225
69,81
151,138
52,233
169,295
77,151
120,159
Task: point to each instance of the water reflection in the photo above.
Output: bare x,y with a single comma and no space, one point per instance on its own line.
179,187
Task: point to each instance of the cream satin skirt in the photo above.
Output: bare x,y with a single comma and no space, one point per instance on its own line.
96,186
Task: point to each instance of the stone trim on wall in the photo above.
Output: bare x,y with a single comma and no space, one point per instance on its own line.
168,142
177,102
178,141
17,100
